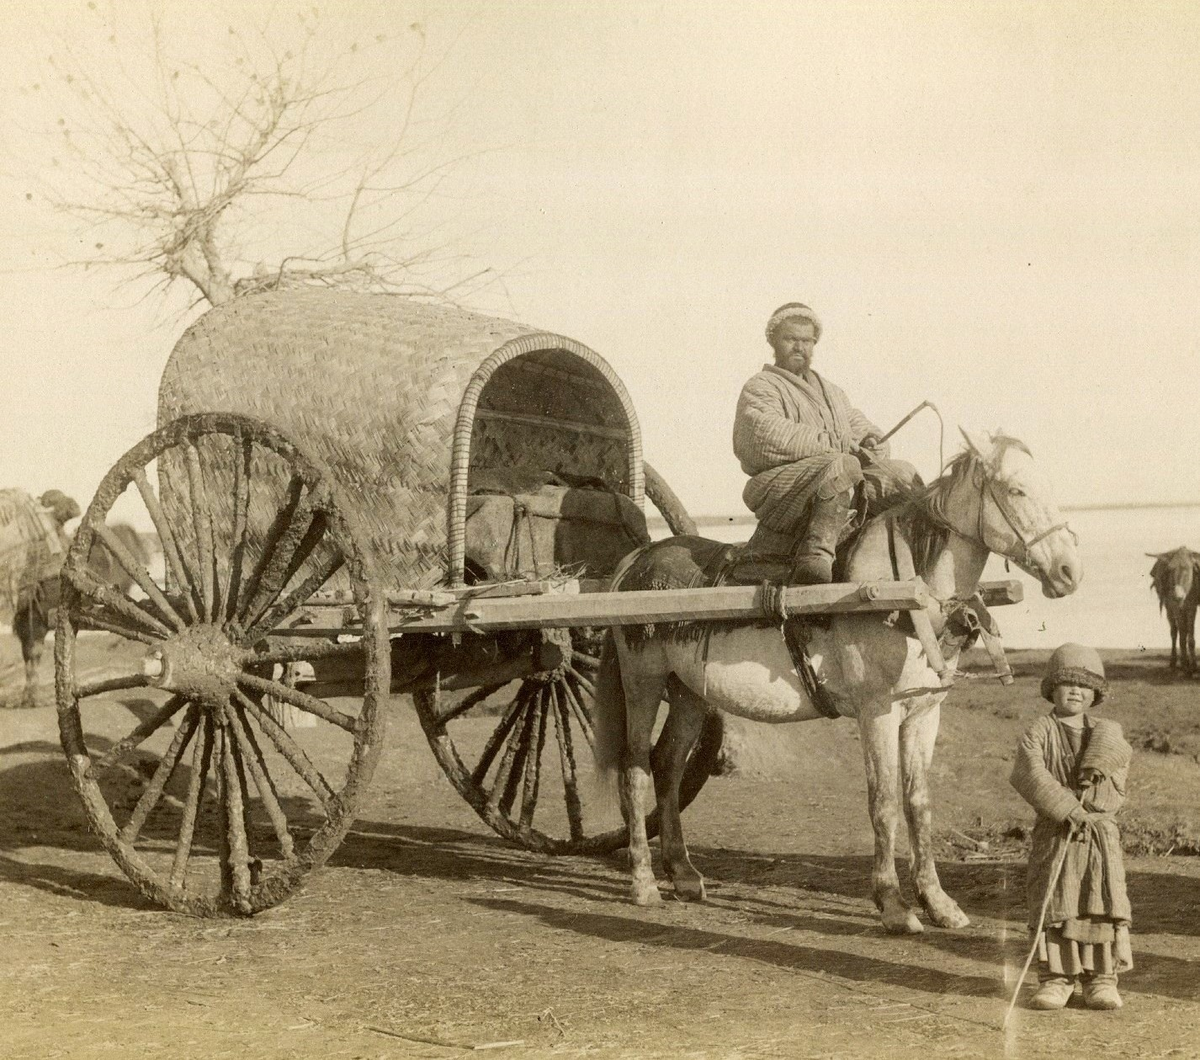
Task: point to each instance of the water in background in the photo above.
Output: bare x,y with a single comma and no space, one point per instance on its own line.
1115,606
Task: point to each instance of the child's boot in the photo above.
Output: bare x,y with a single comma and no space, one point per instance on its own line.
1053,993
1100,992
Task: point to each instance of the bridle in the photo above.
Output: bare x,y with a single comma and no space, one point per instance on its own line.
1023,553
985,482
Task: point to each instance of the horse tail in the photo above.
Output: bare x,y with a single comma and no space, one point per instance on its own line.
609,722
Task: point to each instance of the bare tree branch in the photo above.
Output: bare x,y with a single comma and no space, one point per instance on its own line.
206,171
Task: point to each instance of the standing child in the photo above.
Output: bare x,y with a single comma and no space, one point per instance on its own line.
1071,768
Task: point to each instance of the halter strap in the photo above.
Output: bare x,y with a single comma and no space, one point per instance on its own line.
1026,544
934,511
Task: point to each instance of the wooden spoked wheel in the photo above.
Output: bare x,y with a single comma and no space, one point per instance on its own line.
211,804
521,755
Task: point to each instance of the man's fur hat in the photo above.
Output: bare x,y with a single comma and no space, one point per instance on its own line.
793,311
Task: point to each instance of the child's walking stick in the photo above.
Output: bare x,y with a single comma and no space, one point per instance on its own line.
1037,932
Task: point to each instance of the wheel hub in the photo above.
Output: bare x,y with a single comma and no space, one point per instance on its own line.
200,663
552,656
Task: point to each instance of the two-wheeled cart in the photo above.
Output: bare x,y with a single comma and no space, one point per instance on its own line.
358,496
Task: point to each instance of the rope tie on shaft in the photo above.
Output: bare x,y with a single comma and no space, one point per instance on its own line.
773,601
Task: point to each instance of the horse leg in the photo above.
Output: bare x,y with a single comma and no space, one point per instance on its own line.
32,633
32,663
1189,634
1174,634
918,733
879,731
643,694
685,722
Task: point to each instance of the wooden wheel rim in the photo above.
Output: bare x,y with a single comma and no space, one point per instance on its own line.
482,800
339,809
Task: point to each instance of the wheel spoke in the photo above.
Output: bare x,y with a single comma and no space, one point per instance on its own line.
314,649
243,457
499,734
581,715
138,573
139,735
201,756
154,789
296,698
87,584
222,812
585,683
282,521
110,684
317,527
298,535
88,619
566,757
504,789
269,619
466,704
589,661
202,524
533,763
235,823
170,546
288,747
254,762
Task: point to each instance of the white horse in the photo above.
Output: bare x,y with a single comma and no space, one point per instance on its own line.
991,498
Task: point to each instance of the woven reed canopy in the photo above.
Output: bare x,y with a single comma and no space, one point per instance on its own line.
405,403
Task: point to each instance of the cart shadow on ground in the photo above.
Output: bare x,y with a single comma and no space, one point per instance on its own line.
784,900
832,900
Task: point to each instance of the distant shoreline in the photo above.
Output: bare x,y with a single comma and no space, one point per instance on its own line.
747,519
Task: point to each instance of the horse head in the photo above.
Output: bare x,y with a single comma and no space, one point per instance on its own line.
999,497
1175,574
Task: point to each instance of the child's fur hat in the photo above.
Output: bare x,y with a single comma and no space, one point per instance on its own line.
1075,664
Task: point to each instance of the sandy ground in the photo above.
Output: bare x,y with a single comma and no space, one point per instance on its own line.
426,936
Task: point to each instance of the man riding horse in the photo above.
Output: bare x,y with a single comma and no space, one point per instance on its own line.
812,457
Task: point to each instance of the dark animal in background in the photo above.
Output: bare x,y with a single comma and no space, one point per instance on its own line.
35,612
1176,577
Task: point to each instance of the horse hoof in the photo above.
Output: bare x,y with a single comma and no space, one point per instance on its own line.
956,918
905,925
690,890
647,895
945,912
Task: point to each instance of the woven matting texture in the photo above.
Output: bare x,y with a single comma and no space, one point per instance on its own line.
404,401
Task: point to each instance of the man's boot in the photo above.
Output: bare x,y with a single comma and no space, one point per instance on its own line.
812,561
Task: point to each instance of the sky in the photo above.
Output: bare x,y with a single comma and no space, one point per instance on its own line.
992,206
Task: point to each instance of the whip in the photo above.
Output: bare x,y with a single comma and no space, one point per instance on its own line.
941,434
1037,932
